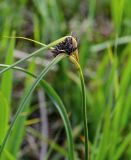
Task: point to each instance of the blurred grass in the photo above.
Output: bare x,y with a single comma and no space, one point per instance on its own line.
106,66
18,132
6,89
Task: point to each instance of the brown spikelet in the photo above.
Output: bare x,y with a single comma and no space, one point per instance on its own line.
68,46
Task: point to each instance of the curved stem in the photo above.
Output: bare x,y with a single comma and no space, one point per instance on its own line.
84,108
84,114
28,39
59,105
49,46
28,94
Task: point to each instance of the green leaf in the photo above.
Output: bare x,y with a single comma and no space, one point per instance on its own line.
6,84
33,54
28,94
61,108
122,147
3,116
18,132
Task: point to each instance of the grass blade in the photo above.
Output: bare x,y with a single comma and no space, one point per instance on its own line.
33,54
28,39
28,94
61,108
6,84
122,147
3,116
6,87
59,105
18,132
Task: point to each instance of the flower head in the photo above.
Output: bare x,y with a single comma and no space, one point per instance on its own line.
68,46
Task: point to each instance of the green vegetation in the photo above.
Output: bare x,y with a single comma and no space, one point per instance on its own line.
33,82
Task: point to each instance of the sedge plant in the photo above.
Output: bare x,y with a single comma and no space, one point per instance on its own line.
62,48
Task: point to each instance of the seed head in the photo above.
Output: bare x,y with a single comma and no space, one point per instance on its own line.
68,46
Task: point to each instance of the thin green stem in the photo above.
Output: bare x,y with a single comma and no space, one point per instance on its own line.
34,54
28,39
84,108
19,69
84,114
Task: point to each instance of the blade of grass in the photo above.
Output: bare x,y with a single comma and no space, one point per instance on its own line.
92,9
23,103
6,31
61,108
3,116
104,142
28,39
33,54
6,88
8,155
122,147
126,112
104,45
96,139
18,132
6,84
56,18
119,110
42,8
59,105
117,13
28,94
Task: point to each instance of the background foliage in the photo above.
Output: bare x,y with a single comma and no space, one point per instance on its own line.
104,36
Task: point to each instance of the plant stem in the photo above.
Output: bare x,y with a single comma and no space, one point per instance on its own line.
84,114
84,108
49,46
